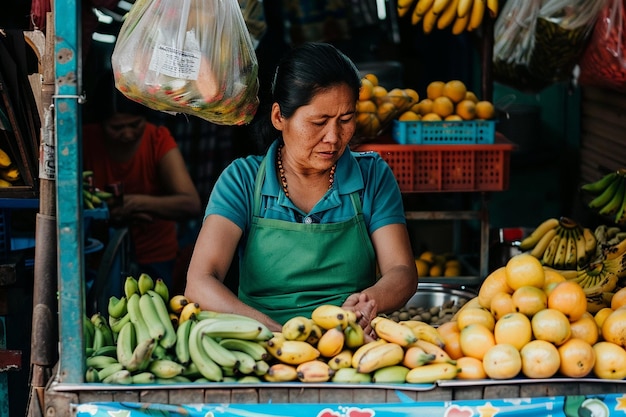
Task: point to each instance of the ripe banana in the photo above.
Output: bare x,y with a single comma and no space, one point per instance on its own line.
441,356
429,20
571,251
477,14
590,241
350,376
281,372
328,316
313,370
431,373
539,249
331,342
169,337
145,283
360,352
392,331
394,374
297,328
460,23
142,355
420,10
404,6
316,333
295,352
439,6
380,356
130,286
448,15
537,234
177,302
550,252
415,356
116,307
5,159
464,7
561,251
425,331
341,360
581,250
251,347
189,312
493,7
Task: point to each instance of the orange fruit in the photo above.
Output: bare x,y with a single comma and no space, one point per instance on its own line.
501,305
551,326
610,361
422,267
368,124
466,109
470,95
552,276
415,97
529,300
540,359
425,106
431,117
614,327
373,78
409,115
585,328
366,106
399,98
475,340
577,358
485,110
600,316
455,90
443,106
451,336
619,299
513,329
494,283
379,91
471,368
502,361
475,315
434,89
524,269
366,90
386,111
569,298
453,118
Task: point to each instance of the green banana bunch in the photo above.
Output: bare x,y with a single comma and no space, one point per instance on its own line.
93,197
609,195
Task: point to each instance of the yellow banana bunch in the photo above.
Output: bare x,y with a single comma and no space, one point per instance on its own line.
431,373
297,328
386,354
462,15
293,352
424,331
328,316
392,331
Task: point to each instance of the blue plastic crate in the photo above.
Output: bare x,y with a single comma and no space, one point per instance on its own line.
444,132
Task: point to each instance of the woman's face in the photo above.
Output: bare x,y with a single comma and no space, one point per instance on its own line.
124,128
317,134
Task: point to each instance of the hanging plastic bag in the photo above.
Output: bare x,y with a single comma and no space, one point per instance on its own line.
188,56
560,35
603,63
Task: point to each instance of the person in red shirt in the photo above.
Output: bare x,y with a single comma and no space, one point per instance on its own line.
123,147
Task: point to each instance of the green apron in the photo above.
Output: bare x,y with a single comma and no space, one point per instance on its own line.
289,268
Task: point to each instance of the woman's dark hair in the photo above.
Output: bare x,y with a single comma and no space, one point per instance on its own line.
302,73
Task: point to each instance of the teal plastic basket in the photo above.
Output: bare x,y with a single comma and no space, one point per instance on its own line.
444,132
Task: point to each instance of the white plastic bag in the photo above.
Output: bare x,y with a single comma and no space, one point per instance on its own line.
188,56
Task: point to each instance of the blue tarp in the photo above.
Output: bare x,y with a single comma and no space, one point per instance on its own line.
570,406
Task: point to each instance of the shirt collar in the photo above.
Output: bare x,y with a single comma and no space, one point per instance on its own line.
348,177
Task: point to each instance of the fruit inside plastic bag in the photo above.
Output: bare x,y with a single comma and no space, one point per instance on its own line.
188,56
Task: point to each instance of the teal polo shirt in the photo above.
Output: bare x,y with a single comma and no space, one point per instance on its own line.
364,172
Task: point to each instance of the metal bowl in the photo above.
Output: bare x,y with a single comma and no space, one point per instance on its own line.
435,295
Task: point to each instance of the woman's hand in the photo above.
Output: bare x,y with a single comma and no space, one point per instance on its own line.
365,309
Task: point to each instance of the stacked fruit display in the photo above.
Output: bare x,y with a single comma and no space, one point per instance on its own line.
460,15
609,196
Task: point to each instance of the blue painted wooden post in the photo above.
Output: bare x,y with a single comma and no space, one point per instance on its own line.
68,87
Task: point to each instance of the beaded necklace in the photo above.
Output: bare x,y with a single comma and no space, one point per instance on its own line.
283,179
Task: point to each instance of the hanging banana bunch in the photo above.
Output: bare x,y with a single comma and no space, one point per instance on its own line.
459,15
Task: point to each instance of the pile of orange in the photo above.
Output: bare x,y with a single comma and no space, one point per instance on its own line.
450,101
529,320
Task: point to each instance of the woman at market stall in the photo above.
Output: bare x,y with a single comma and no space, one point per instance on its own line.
121,146
313,222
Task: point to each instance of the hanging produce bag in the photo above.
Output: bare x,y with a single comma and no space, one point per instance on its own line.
561,32
188,56
603,63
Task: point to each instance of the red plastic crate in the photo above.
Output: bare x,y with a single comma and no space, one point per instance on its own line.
435,168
